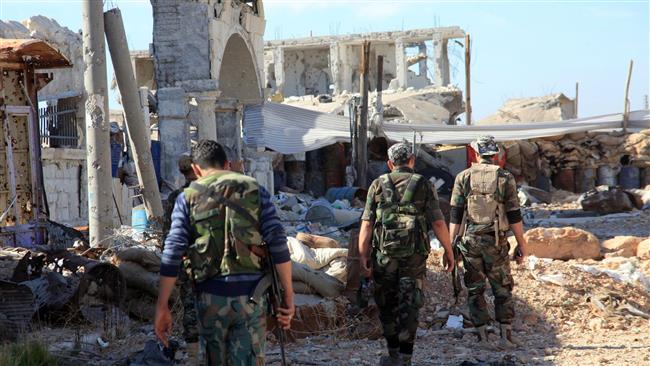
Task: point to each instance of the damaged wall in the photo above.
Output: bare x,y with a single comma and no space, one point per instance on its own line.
67,82
64,176
293,67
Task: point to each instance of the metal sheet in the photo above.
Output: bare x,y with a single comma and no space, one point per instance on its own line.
17,305
289,130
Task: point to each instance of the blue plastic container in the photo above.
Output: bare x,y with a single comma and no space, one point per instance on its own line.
139,220
629,177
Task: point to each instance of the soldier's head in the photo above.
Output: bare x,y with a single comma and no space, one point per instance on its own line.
185,167
401,155
485,147
208,156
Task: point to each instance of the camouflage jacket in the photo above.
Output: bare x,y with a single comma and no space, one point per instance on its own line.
224,218
506,194
425,198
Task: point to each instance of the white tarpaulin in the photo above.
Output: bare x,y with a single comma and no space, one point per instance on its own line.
289,130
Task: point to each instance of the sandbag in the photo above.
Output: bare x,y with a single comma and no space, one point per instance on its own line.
303,288
324,284
146,258
317,241
338,269
314,258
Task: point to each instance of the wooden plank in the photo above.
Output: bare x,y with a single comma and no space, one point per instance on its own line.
362,145
468,94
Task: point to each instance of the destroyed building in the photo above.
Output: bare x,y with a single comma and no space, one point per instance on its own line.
311,65
61,119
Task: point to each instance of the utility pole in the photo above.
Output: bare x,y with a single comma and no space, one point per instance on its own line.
468,95
645,102
135,122
575,102
626,105
362,145
98,159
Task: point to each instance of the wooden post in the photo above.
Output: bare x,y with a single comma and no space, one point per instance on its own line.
379,107
362,145
468,97
575,102
626,105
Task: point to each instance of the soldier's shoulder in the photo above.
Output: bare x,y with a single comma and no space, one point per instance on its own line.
464,174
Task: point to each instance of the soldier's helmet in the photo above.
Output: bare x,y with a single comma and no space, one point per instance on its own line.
485,145
399,154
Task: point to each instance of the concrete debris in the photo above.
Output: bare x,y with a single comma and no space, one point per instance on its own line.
643,249
561,243
621,246
606,200
554,107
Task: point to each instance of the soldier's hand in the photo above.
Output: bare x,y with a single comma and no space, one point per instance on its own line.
449,261
163,324
285,315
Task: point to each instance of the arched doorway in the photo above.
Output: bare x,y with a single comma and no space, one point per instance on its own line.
238,75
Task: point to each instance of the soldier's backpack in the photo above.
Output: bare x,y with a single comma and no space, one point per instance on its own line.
483,204
224,212
399,226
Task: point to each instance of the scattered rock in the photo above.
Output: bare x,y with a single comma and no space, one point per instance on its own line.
643,249
605,200
561,243
622,246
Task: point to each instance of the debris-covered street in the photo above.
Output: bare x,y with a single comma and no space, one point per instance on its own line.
172,166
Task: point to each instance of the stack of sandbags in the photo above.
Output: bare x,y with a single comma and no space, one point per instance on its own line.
522,159
593,149
319,265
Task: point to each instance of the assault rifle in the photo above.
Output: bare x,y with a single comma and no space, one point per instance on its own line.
271,286
458,273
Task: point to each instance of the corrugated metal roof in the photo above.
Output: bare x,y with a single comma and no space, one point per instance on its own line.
289,130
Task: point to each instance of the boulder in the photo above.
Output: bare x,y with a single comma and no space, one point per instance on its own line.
643,249
622,246
561,243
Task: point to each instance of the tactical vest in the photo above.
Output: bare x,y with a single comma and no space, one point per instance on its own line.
224,215
484,207
400,227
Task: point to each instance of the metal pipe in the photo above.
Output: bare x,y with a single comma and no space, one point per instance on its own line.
100,204
135,122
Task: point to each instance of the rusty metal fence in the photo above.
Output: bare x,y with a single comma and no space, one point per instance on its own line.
58,125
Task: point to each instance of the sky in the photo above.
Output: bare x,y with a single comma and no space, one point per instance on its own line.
519,48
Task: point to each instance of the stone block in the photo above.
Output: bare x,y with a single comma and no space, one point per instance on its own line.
561,243
643,250
172,103
622,246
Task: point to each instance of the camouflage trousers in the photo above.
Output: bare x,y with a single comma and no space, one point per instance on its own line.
398,294
233,330
483,259
190,324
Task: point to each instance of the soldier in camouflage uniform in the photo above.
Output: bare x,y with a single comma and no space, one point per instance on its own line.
401,208
224,223
485,199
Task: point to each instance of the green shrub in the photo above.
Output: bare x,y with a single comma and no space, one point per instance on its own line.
29,353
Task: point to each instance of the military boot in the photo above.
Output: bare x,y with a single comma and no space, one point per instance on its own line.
483,339
507,340
404,359
392,359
